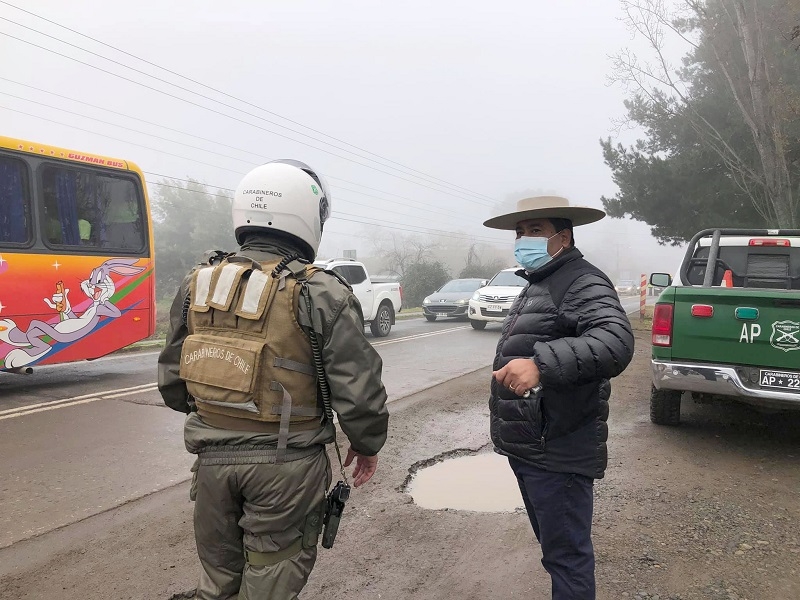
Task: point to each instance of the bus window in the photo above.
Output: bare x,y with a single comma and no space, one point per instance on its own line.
90,210
123,219
14,202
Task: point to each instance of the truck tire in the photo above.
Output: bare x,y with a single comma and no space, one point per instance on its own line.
431,318
477,324
381,325
665,406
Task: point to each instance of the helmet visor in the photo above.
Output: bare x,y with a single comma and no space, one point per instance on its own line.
325,196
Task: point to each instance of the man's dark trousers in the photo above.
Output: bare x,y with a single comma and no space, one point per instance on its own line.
560,508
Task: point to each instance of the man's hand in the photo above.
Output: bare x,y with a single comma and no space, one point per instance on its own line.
365,466
519,375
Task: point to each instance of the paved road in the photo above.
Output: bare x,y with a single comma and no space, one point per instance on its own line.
79,439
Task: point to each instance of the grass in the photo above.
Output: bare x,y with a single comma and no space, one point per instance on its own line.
162,319
409,313
640,324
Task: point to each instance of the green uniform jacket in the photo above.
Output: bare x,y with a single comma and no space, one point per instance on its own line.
352,365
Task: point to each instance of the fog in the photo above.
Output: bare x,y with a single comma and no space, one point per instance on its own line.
426,118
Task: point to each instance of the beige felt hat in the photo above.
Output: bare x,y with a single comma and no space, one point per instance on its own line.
546,207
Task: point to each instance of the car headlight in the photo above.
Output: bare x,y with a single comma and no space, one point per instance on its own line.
476,296
461,301
427,300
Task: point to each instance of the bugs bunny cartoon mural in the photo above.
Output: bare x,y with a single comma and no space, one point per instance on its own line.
99,287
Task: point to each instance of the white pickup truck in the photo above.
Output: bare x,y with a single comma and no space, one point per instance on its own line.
379,301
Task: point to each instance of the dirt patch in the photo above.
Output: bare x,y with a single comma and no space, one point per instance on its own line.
709,510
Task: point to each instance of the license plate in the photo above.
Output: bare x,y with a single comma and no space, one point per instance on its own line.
781,380
494,308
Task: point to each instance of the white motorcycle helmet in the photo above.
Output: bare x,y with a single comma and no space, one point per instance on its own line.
284,197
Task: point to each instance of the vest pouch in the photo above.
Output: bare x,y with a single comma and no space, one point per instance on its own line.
221,373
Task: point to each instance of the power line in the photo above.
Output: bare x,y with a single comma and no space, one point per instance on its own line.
417,229
28,100
121,114
427,208
111,137
207,87
264,158
369,238
225,94
183,189
337,214
424,230
406,227
232,117
152,135
479,201
186,133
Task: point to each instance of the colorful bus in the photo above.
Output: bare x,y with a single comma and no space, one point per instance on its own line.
76,256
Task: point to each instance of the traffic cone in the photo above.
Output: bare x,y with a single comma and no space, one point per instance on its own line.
727,279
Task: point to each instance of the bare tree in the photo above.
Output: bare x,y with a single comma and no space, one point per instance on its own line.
472,257
733,33
400,251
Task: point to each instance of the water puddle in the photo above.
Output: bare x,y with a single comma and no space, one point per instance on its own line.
481,482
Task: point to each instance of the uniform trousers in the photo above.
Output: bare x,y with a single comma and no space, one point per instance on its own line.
263,508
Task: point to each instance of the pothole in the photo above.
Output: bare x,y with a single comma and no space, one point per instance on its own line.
464,480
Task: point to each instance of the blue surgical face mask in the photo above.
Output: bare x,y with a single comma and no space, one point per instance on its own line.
531,252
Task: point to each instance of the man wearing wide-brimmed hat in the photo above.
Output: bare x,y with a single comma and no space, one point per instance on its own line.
565,336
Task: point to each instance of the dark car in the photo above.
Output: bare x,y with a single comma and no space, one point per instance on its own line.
452,299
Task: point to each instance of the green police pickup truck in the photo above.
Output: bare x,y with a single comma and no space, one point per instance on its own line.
730,327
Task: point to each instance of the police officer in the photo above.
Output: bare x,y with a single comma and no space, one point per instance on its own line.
240,361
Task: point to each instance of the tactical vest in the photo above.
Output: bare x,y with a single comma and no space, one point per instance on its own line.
246,358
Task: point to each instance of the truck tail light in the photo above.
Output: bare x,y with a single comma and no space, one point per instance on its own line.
770,242
401,294
705,311
662,325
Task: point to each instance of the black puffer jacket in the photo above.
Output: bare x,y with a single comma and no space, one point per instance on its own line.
570,322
